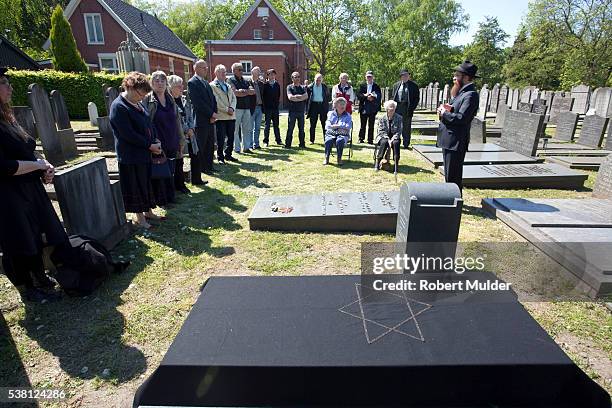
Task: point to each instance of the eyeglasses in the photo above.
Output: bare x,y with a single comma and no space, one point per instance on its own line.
141,94
295,76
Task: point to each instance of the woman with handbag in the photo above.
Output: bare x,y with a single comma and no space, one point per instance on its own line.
134,144
169,130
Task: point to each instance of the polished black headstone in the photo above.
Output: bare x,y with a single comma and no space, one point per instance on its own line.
593,130
539,106
566,126
359,212
578,162
484,157
60,110
520,132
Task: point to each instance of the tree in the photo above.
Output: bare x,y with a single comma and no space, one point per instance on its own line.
487,51
66,57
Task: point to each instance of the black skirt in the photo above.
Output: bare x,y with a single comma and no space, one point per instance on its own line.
136,187
28,220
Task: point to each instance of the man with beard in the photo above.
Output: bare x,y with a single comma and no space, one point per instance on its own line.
406,95
455,120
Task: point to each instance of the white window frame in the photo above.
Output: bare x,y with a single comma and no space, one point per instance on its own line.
271,35
108,55
263,12
257,34
171,65
246,63
97,41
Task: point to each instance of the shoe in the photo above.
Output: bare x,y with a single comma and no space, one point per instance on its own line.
231,158
376,165
237,151
266,144
256,147
247,151
340,162
312,142
287,146
326,160
302,145
221,161
370,142
280,143
361,140
200,183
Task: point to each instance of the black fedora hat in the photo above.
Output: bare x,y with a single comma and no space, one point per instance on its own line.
468,68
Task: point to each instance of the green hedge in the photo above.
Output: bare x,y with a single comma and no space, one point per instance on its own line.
78,89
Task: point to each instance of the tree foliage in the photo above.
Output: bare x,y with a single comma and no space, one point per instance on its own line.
66,56
487,50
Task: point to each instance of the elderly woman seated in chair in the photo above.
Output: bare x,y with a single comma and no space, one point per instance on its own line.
337,129
389,135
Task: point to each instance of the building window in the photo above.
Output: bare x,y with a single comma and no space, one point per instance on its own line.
93,27
263,12
271,35
171,65
108,62
246,66
186,71
257,34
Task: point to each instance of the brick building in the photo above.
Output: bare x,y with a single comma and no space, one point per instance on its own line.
262,38
99,27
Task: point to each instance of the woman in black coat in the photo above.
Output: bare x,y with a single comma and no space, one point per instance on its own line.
28,221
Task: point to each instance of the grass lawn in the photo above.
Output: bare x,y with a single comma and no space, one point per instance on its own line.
102,347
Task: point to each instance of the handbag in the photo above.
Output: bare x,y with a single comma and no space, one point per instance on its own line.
159,167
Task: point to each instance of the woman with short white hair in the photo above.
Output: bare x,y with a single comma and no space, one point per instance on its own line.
337,129
345,90
389,134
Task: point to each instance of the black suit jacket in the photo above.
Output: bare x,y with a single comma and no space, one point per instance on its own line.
270,95
369,107
454,129
203,101
326,96
413,94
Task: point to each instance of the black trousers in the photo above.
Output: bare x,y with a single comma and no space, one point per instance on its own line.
179,174
225,130
317,113
272,116
299,118
196,166
384,144
407,128
453,166
22,269
206,144
367,120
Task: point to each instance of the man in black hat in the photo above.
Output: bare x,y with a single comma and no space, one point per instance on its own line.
406,95
455,120
369,96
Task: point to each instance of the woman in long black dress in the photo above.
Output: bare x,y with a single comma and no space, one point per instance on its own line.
134,143
28,221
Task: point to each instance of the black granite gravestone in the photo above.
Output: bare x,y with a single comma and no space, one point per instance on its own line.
559,104
429,213
539,106
484,157
593,130
566,126
106,132
25,118
60,111
472,147
360,212
46,130
581,95
110,94
577,162
520,132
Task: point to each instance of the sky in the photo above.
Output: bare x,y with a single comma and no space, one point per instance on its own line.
509,13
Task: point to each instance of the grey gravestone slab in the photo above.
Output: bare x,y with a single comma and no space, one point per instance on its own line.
110,94
45,124
603,182
608,145
429,213
478,131
559,104
593,130
543,175
539,106
494,98
535,94
476,158
500,118
578,162
524,107
520,132
549,96
446,94
92,110
60,111
25,118
602,102
421,98
516,97
581,95
526,95
88,203
483,102
68,143
503,96
106,132
337,212
473,147
575,233
566,126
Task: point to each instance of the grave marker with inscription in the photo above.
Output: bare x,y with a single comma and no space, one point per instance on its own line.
559,104
503,96
602,102
502,111
524,107
92,110
520,132
566,126
60,111
516,97
526,94
446,94
25,118
538,175
539,106
494,98
478,131
110,94
45,124
593,130
483,102
581,95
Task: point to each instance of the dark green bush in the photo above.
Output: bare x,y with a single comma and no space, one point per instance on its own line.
78,89
66,56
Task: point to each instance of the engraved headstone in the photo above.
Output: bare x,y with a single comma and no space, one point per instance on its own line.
603,182
526,94
593,130
566,126
483,102
539,175
477,131
503,96
92,110
25,118
559,104
581,95
549,97
446,94
494,98
535,94
60,111
88,204
45,124
110,95
539,106
421,98
502,110
106,132
602,102
516,97
524,107
520,132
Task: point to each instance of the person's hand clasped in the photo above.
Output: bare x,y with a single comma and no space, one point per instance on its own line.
155,148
